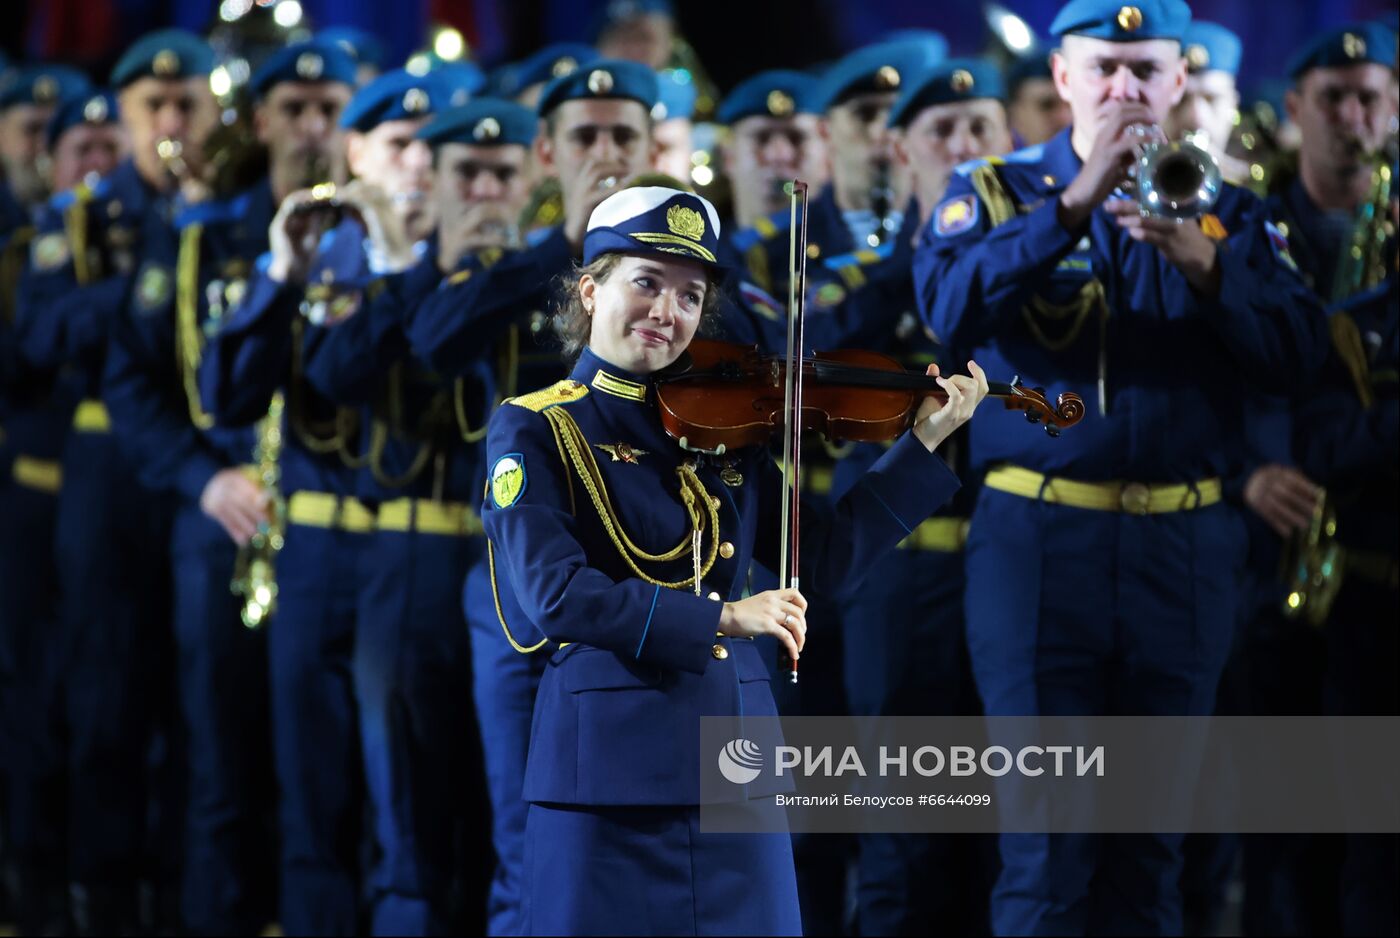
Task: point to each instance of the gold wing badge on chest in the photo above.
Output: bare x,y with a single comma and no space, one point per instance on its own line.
622,452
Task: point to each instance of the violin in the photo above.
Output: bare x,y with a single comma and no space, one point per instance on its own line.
721,396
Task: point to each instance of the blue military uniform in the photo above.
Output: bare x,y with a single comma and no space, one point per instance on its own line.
422,474
1288,666
905,648
1119,518
259,350
613,773
34,410
188,274
110,536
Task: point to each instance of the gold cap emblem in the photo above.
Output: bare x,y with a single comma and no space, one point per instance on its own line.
1129,19
166,62
686,222
887,77
962,81
564,65
1197,57
415,100
780,103
488,128
1354,46
600,81
45,89
310,66
95,111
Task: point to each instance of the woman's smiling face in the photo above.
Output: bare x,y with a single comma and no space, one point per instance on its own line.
646,312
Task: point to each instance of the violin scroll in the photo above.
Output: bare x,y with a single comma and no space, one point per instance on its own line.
1068,409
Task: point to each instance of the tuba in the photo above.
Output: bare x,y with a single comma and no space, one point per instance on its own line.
1176,179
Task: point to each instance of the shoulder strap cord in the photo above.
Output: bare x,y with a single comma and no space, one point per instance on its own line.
1090,298
1346,339
575,453
341,429
189,347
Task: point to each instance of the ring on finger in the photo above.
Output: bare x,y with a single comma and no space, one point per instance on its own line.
787,619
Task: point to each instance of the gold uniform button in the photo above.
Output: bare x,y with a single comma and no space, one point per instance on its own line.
720,652
1135,498
713,597
714,500
726,550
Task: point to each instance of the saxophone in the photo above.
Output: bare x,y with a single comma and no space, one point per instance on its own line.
1364,262
255,572
1313,562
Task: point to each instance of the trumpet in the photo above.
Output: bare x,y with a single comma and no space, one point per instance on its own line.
1175,179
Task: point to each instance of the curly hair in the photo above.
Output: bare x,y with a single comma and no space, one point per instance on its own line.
572,323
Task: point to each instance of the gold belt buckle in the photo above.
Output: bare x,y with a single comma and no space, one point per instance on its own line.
1135,498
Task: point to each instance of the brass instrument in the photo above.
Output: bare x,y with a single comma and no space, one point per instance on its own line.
1364,262
1313,564
1178,179
255,572
172,157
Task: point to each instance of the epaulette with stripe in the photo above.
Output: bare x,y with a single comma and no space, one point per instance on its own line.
862,258
212,212
561,392
765,229
82,192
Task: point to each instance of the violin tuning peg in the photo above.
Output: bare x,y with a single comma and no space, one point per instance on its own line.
1032,416
1051,430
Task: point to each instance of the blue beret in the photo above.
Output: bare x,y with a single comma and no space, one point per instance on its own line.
546,64
394,96
364,47
168,53
885,66
482,122
953,80
1210,47
41,84
653,220
461,80
1348,45
605,78
776,93
1034,64
1117,21
677,95
92,107
615,12
313,60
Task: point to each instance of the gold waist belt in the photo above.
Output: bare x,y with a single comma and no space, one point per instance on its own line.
41,475
452,519
92,417
324,510
944,535
1134,498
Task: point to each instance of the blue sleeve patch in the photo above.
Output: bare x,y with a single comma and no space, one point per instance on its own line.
508,480
955,216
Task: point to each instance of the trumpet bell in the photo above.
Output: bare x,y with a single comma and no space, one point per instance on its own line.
1177,180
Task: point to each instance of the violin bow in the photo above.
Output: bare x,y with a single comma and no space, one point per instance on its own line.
792,395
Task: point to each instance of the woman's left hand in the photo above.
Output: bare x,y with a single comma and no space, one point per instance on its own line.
935,420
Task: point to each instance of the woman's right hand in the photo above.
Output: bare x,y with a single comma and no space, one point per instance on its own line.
772,612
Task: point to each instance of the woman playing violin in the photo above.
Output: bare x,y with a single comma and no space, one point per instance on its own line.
631,554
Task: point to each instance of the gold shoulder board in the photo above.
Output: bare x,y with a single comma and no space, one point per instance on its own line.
562,392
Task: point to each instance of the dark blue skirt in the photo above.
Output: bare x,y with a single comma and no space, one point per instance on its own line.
593,870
